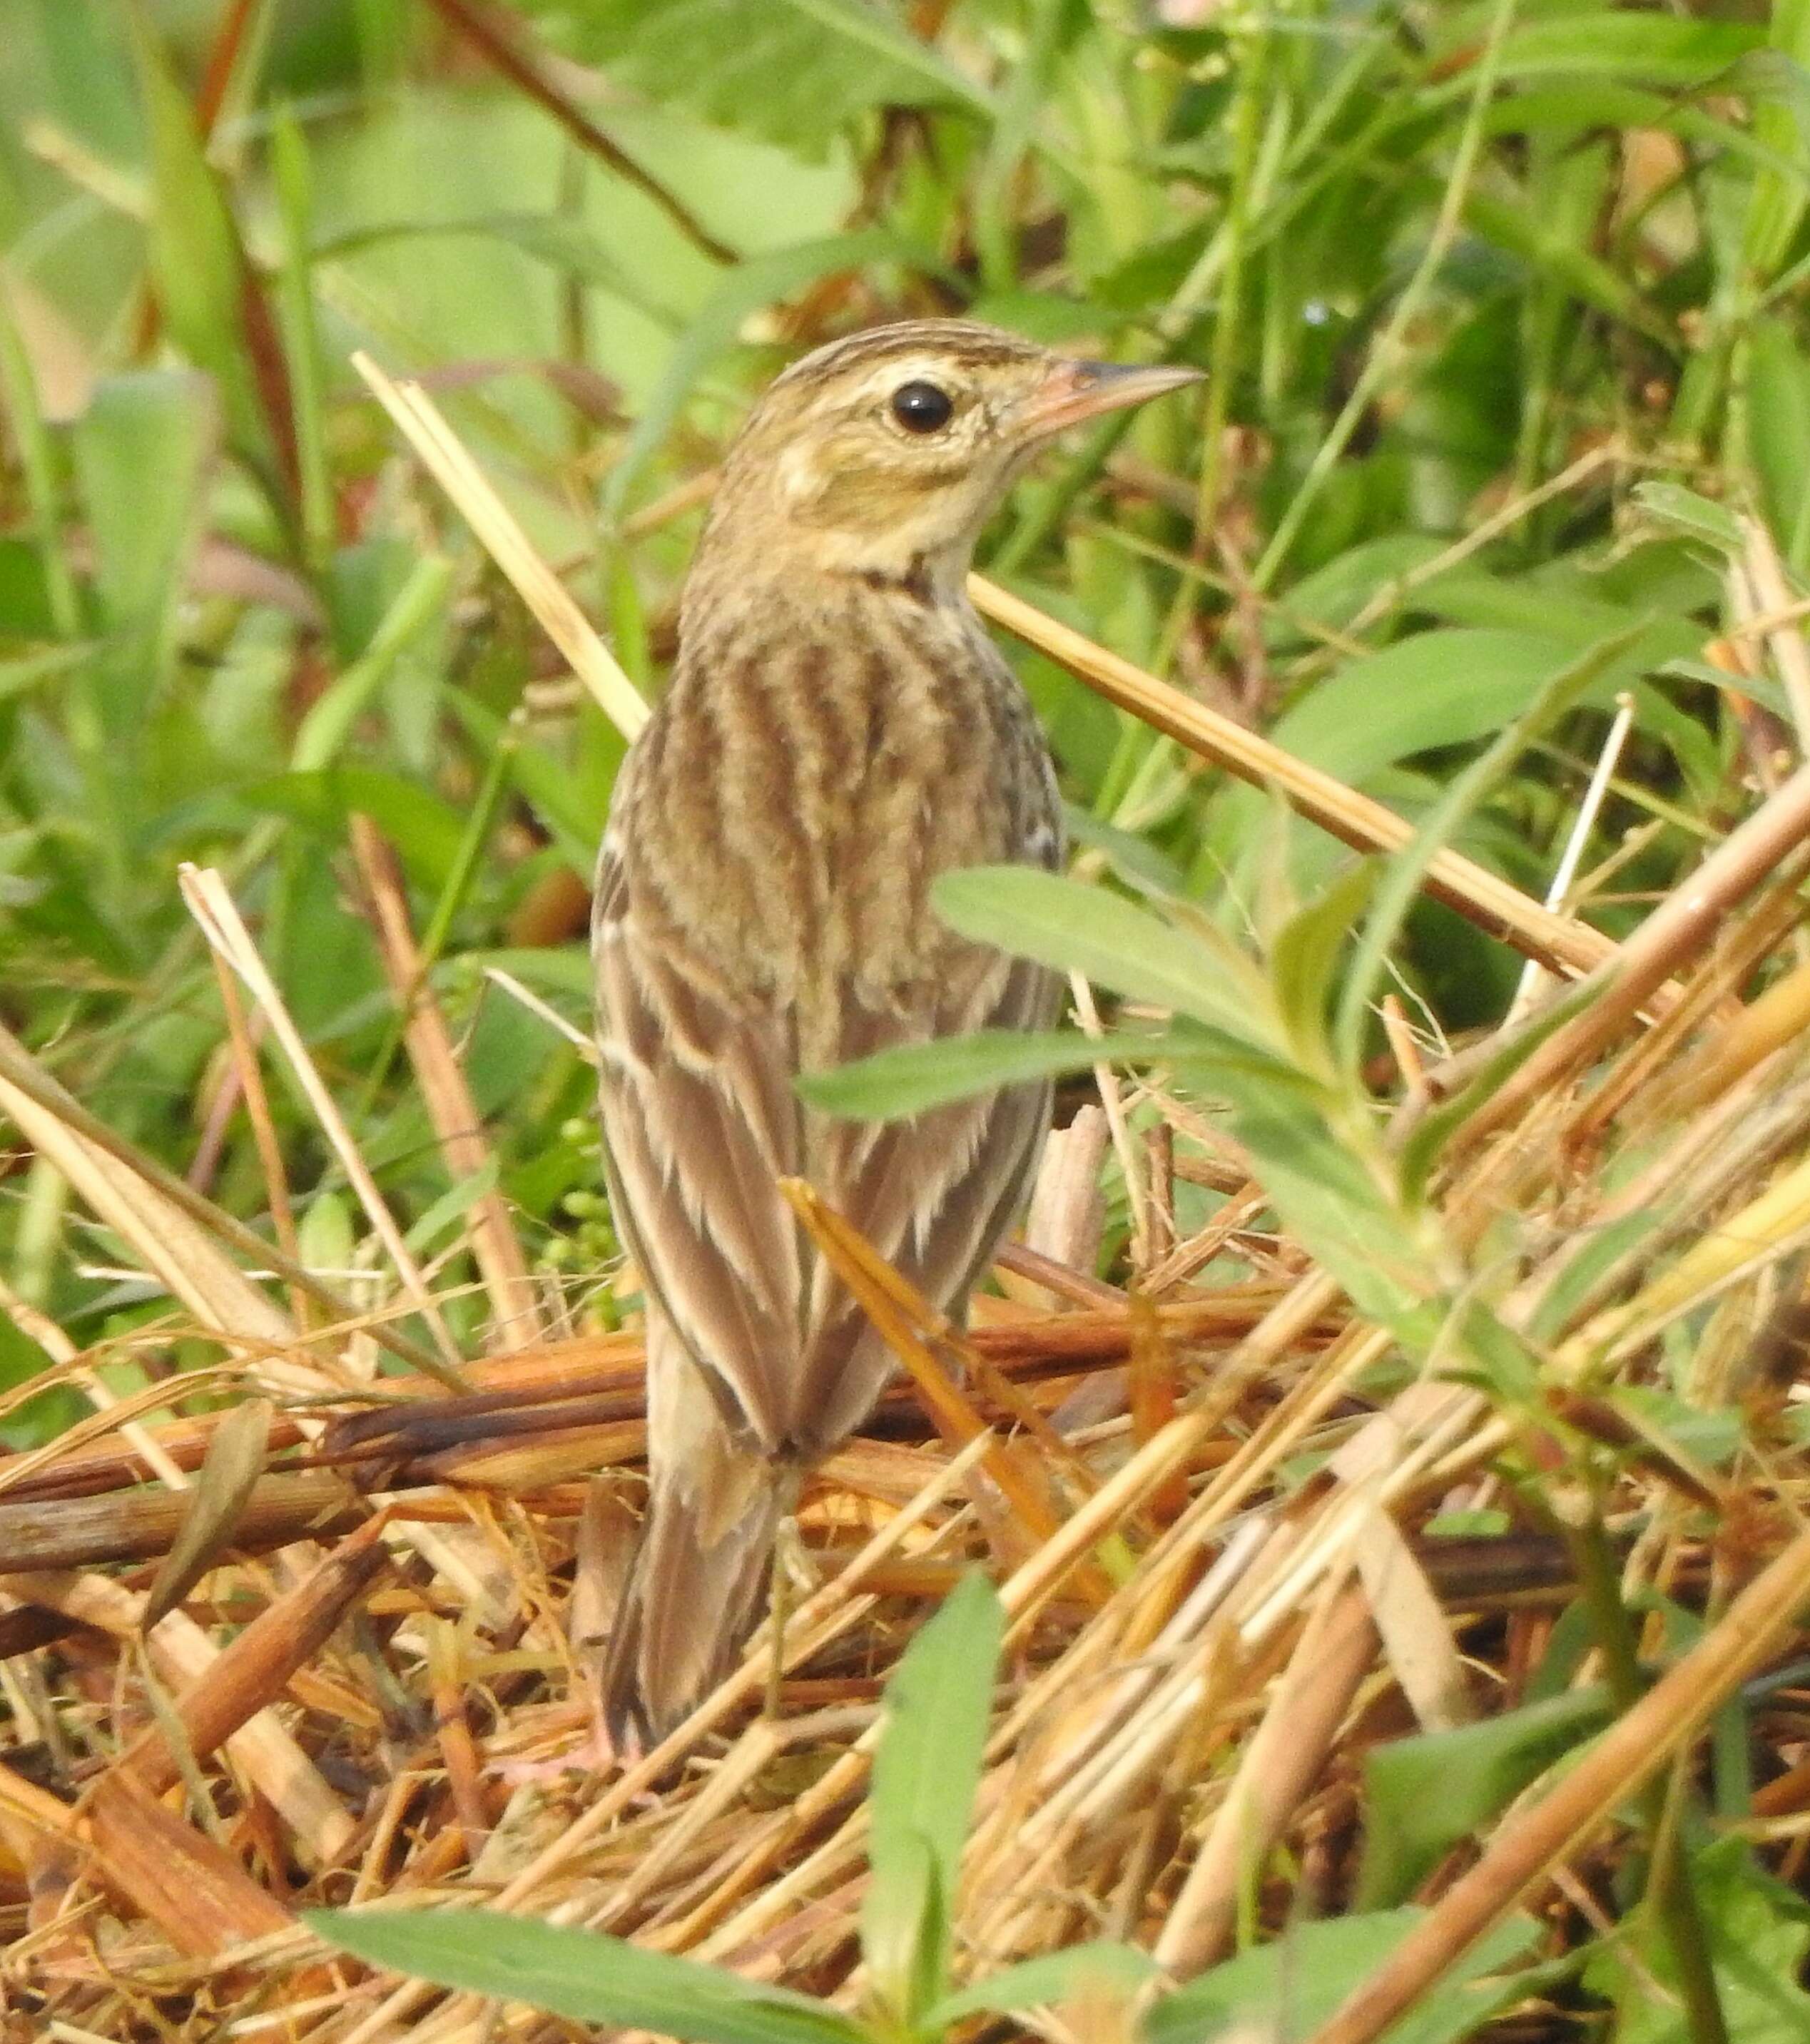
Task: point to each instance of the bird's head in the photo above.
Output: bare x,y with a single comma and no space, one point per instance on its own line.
883,455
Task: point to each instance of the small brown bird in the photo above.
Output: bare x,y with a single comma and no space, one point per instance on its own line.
838,731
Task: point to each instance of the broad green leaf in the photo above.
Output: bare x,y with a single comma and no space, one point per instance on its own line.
1661,49
1329,1199
916,1076
1290,1986
926,1770
1423,1795
575,825
580,1974
1775,208
1439,688
1573,610
561,242
1778,430
425,829
1077,928
905,1929
1758,1930
1045,1982
1408,868
1333,595
1671,504
556,969
793,71
1435,1128
141,452
325,1242
1710,1436
1139,861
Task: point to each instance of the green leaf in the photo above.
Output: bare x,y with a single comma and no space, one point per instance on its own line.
1304,954
791,71
1609,42
1437,688
580,1974
140,450
1778,431
1711,1436
915,1077
1077,928
546,782
450,1207
329,724
424,828
1290,1987
1435,1128
141,453
1330,1199
1408,868
1670,504
1758,1930
926,1770
1775,207
1043,1982
1423,1795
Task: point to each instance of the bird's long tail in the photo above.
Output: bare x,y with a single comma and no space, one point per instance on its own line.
698,1587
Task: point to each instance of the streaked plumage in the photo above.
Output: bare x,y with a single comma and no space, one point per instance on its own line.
839,731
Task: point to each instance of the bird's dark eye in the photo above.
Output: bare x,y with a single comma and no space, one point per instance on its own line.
922,408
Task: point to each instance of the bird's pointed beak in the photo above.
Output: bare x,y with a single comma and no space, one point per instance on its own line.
1074,391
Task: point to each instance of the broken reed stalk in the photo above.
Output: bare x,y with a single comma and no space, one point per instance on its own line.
1492,902
175,1230
211,904
495,1249
421,424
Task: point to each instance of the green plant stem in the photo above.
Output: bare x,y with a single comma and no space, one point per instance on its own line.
1382,353
1669,1893
1247,129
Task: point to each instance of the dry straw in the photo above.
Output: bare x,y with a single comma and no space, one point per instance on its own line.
1200,1647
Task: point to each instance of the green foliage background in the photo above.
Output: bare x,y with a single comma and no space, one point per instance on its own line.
1435,257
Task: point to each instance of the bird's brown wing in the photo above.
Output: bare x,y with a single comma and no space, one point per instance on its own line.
933,1194
700,1120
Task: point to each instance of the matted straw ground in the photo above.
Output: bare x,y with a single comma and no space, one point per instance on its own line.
373,1679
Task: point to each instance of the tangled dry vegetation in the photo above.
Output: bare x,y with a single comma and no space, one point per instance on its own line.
1243,1540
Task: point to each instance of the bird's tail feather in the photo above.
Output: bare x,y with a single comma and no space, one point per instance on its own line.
698,1586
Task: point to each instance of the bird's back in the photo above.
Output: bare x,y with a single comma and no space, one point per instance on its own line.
820,757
